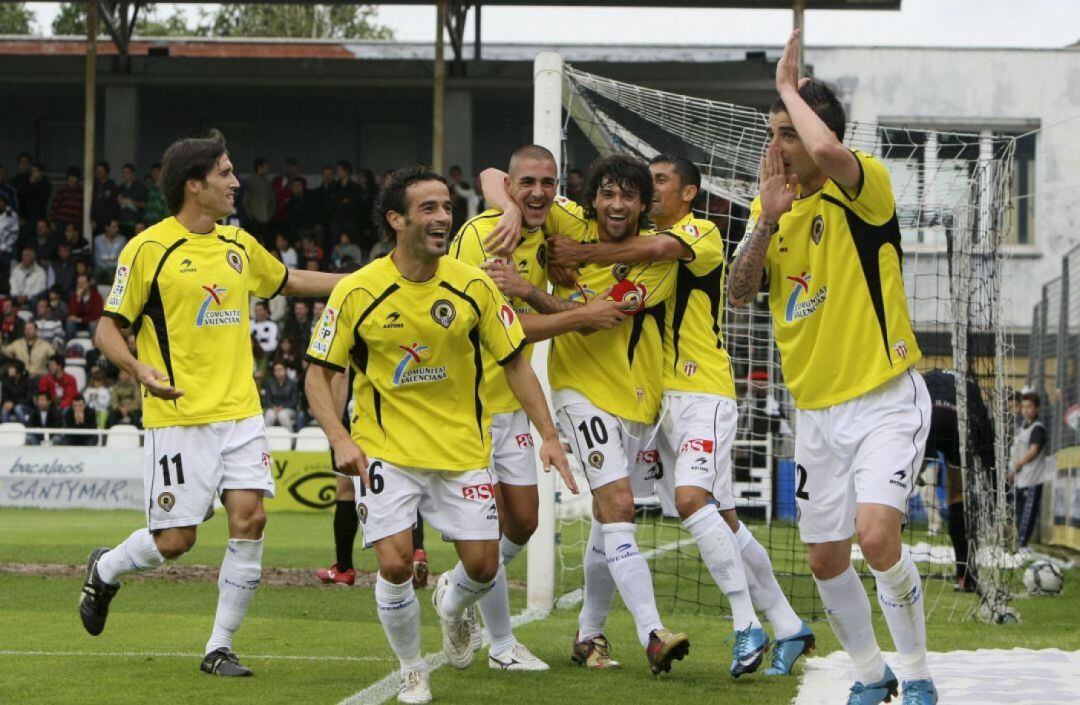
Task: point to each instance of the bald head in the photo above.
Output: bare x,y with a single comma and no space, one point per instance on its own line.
530,152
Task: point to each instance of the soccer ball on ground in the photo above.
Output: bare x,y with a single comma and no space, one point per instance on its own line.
1043,578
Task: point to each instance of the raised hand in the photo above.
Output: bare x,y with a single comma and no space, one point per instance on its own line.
504,238
787,69
777,190
156,382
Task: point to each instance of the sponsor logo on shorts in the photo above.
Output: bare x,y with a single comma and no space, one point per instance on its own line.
689,368
899,478
266,460
392,321
700,464
900,348
506,315
697,445
656,472
235,261
800,304
596,459
411,369
361,512
524,440
116,295
817,229
478,493
166,501
208,316
644,457
443,312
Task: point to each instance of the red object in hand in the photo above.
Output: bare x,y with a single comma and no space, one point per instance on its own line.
628,292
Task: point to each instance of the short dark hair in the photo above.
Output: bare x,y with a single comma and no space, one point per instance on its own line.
104,165
25,155
688,173
1031,397
259,163
292,161
392,195
78,397
128,165
346,165
74,171
530,151
823,101
189,158
627,172
58,359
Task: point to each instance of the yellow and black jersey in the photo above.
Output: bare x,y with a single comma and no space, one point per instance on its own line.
617,370
187,296
694,356
836,290
416,349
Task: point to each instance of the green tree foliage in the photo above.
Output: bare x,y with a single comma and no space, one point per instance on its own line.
299,21
16,18
71,20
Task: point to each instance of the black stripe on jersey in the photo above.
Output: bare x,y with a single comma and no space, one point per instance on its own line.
154,309
367,312
637,326
323,363
711,285
513,353
462,294
858,187
238,244
478,364
281,286
868,240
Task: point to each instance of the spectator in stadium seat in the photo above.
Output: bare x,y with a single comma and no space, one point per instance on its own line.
9,233
310,250
284,250
345,251
98,396
80,416
27,278
259,200
84,308
126,402
61,274
34,199
107,248
11,325
44,415
59,385
131,197
80,246
299,325
103,205
22,173
368,190
264,330
301,216
30,350
43,240
50,324
16,393
283,189
281,398
67,204
156,208
320,197
7,190
287,355
345,200
57,302
575,184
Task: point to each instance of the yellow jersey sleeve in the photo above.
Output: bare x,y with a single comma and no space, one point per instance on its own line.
500,330
656,280
268,273
872,199
329,344
567,218
705,243
131,285
468,246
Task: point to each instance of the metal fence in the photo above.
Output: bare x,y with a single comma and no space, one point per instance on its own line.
1054,353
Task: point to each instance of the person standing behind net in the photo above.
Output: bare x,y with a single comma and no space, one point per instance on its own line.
824,233
184,286
1032,465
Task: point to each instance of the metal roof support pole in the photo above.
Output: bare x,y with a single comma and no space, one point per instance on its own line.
440,88
798,10
89,115
476,32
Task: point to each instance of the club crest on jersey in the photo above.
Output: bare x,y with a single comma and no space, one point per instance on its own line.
689,368
411,369
235,261
817,229
166,501
541,256
443,312
900,348
800,305
620,271
210,316
506,315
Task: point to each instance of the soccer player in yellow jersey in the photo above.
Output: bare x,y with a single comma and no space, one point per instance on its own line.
531,185
606,388
412,326
184,286
824,233
700,416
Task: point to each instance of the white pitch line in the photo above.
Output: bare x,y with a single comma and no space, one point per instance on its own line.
382,690
180,654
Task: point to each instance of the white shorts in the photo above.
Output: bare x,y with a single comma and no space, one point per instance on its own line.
187,466
513,458
460,505
696,433
864,451
610,448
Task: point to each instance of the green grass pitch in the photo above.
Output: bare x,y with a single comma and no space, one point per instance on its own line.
317,644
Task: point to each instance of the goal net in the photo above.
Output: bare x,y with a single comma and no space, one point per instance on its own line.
952,202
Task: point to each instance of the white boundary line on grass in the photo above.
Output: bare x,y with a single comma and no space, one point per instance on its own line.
180,654
382,690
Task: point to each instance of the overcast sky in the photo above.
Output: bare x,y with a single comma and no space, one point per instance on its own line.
1003,23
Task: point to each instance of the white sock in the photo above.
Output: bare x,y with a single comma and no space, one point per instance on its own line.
241,573
508,549
631,573
848,610
720,554
495,609
599,586
765,591
137,552
463,593
900,594
399,612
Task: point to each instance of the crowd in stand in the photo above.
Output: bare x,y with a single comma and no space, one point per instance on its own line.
53,281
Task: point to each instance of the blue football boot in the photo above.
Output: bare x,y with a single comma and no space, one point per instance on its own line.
881,692
920,692
787,651
750,647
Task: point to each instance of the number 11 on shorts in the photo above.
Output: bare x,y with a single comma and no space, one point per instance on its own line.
178,465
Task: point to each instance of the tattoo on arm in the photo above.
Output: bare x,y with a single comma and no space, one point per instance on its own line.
745,278
543,302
